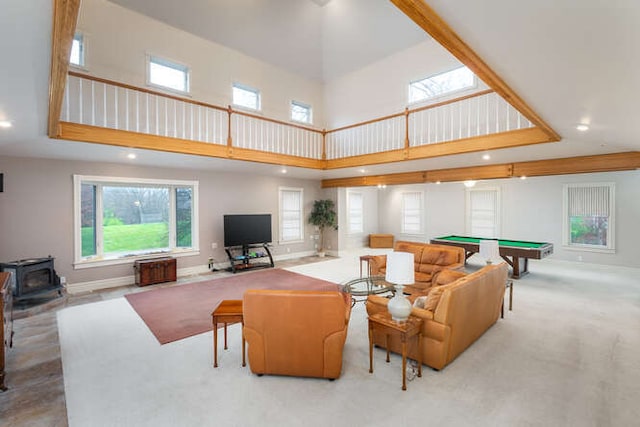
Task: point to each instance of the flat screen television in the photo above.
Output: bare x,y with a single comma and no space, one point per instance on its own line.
243,230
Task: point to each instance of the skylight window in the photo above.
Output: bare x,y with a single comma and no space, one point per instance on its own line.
441,84
300,112
168,75
245,96
77,50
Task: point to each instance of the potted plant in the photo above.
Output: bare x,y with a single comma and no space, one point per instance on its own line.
323,215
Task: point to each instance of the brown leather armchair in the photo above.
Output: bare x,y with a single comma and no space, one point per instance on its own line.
298,333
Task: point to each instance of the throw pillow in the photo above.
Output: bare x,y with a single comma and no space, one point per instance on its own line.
434,298
447,276
420,301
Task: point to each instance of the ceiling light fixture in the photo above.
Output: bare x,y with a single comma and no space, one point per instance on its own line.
486,157
582,127
382,185
523,177
469,183
5,124
131,156
438,182
284,170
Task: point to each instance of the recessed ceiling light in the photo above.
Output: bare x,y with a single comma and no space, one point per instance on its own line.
363,171
283,170
469,183
582,127
486,157
523,177
5,124
438,182
131,156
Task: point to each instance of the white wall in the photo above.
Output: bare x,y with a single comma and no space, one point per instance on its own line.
36,210
118,40
531,210
381,88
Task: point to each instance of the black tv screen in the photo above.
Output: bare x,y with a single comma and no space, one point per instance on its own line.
242,230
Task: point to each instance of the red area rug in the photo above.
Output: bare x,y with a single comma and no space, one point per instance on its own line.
185,310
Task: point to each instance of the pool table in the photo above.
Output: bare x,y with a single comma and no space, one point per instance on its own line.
510,250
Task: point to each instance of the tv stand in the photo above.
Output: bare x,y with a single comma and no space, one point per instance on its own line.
243,257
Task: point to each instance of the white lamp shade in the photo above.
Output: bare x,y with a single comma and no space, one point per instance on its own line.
400,268
489,250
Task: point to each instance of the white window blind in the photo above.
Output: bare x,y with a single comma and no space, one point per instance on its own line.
483,212
589,219
291,215
356,212
412,212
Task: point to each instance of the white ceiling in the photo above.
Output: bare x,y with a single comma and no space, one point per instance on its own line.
571,61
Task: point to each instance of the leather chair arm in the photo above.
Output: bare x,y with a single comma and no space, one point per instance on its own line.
376,263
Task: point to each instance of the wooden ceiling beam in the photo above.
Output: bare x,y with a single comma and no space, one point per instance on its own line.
65,15
571,165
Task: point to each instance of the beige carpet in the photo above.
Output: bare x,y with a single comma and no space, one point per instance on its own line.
567,355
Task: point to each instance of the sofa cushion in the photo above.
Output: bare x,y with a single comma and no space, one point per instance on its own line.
432,258
434,298
414,248
422,277
447,276
419,302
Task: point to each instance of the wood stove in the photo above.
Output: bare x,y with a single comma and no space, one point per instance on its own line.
33,278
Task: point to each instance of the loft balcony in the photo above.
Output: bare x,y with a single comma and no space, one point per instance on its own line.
107,112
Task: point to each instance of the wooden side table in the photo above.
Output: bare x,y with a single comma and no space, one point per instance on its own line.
510,286
228,311
408,330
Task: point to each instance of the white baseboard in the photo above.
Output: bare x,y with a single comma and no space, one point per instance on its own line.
293,255
95,285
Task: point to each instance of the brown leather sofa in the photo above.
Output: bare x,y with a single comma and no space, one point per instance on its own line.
299,333
461,312
429,260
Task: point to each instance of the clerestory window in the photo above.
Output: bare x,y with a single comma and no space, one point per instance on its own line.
441,84
300,112
77,50
167,74
246,96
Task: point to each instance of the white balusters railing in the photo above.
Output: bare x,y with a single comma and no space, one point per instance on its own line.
484,114
99,103
272,136
102,103
374,137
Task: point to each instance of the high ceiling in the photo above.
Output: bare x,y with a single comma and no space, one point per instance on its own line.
572,62
306,37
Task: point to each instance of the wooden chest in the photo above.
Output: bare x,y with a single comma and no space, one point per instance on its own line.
380,240
155,270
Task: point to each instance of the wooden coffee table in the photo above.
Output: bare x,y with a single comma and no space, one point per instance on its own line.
408,330
228,311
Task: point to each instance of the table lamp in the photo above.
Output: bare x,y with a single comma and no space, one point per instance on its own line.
489,250
399,273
